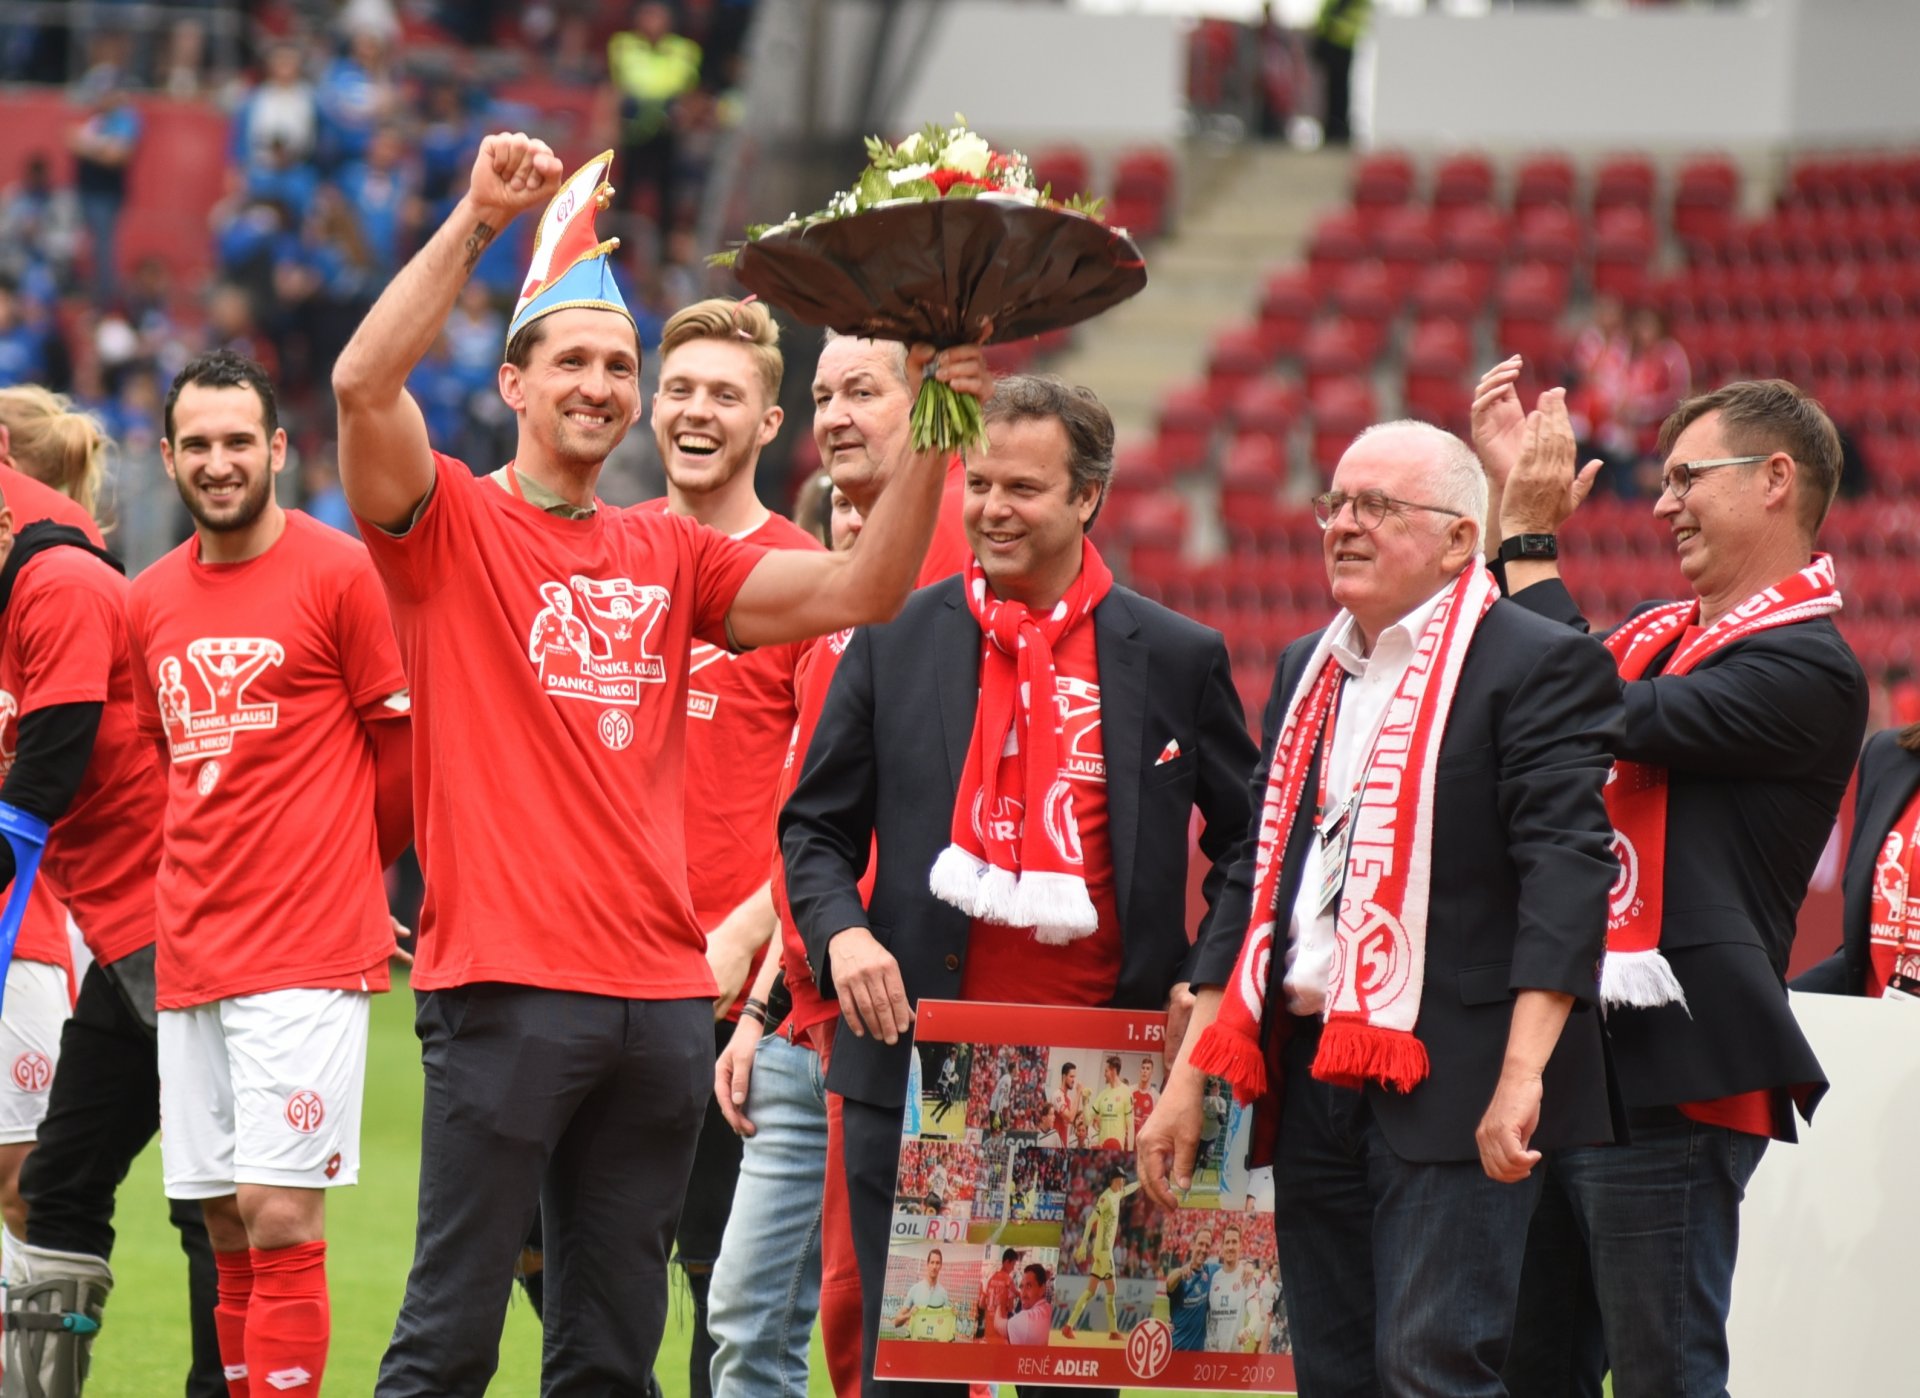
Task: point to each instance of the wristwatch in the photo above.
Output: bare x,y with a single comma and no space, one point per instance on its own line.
1532,547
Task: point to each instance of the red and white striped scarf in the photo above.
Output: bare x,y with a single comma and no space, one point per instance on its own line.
1001,866
1379,964
1634,972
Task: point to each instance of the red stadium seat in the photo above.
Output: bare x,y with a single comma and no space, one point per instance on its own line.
1550,233
1477,238
1333,354
1270,406
1142,199
1287,308
1255,471
1139,468
1383,180
1237,358
1365,295
1545,180
1341,410
1528,305
1065,168
1437,384
1623,182
1463,179
1185,435
1704,196
1447,290
1407,245
1339,241
1623,246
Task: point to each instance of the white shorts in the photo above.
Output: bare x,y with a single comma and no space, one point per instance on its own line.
36,1007
262,1089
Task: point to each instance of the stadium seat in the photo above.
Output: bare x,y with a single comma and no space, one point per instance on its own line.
1339,241
1541,181
1447,290
1365,295
1528,305
1139,469
1185,434
1065,168
1407,245
1332,354
1623,182
1463,179
1436,385
1383,180
1340,411
1287,308
1237,358
1142,200
1269,405
1477,238
1704,196
1550,233
1623,246
1255,471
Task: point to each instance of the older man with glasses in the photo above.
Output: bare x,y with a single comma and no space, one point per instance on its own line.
1744,714
1410,924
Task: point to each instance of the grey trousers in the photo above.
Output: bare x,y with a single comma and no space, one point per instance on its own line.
585,1107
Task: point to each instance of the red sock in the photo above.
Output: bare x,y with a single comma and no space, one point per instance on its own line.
288,1320
230,1316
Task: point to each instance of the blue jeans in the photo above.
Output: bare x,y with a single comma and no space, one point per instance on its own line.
1661,1221
766,1285
1400,1279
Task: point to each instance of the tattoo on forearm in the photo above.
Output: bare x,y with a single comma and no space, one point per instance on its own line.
477,243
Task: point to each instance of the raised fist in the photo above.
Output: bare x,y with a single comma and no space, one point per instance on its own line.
514,172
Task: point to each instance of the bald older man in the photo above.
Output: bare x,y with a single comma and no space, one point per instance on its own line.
1416,911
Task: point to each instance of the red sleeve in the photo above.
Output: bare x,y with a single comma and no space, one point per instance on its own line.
146,704
948,552
392,740
414,565
67,633
363,632
720,566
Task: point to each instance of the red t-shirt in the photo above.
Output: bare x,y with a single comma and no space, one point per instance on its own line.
66,643
260,677
946,555
1006,963
43,932
547,659
31,501
740,710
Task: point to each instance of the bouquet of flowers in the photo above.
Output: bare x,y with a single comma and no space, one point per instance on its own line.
943,240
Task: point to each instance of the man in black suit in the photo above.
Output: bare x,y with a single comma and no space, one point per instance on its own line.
1152,727
1401,1215
1746,704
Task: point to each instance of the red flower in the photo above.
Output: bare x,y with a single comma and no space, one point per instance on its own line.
944,180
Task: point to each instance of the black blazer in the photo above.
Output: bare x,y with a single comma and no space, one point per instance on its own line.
1759,741
884,765
1522,862
1889,775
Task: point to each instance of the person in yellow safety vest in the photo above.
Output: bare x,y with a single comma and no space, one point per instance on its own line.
1336,33
651,69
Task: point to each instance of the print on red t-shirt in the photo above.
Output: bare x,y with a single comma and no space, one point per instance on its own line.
547,661
261,677
66,643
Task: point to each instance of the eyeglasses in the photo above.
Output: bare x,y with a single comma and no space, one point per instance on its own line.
1370,508
1679,477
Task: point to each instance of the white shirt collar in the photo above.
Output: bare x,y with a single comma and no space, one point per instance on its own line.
1397,640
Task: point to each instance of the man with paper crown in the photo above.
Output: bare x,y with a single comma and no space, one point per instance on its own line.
565,999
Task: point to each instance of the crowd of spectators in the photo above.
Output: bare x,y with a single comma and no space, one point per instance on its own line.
352,128
919,1160
1026,1111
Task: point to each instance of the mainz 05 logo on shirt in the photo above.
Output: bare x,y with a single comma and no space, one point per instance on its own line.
201,719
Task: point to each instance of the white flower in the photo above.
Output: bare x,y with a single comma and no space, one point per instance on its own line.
910,172
911,146
967,153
